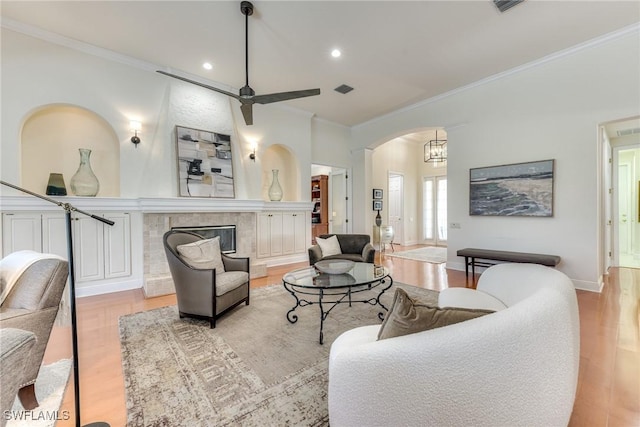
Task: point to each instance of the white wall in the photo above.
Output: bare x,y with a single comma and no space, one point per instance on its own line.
404,157
548,111
36,72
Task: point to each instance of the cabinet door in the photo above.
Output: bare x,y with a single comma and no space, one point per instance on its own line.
117,246
288,233
21,232
264,235
54,235
294,233
88,249
300,223
275,227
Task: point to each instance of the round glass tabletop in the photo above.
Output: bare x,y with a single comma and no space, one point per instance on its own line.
362,273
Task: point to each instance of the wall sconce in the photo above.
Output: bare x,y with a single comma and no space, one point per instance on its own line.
252,155
136,127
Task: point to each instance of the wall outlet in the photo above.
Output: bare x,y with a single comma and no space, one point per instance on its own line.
455,225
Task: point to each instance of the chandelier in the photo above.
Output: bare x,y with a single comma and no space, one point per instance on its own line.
435,150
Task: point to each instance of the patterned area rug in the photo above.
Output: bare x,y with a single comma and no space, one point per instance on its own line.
254,369
431,254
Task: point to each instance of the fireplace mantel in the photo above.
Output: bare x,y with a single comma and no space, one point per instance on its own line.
151,205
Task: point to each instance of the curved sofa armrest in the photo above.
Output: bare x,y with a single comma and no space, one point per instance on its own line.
516,367
315,254
368,253
235,264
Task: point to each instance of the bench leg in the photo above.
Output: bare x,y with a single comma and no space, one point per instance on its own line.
466,267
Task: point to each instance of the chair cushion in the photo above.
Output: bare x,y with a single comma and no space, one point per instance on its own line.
203,254
329,246
229,281
408,316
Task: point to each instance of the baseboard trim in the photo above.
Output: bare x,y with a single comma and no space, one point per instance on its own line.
86,290
583,285
286,259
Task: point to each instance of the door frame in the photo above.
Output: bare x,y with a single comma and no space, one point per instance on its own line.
435,241
615,200
403,230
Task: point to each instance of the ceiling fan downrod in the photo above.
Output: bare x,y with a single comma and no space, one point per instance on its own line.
246,7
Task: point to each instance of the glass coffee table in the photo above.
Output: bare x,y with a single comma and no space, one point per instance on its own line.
309,286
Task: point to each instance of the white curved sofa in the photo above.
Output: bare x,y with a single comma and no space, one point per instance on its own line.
515,367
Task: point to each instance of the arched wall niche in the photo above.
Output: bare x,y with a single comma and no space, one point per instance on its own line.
50,139
279,157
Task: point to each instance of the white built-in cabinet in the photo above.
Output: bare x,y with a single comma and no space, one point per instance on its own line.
282,233
100,251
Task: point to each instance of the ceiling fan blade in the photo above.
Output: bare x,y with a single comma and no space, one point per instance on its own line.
284,96
215,89
247,112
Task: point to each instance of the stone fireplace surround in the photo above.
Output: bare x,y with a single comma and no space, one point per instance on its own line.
160,215
157,278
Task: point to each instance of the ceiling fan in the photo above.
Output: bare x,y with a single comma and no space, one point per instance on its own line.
247,96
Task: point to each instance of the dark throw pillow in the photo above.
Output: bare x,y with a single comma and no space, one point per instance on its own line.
408,316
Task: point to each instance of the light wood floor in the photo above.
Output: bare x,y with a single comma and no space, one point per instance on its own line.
608,387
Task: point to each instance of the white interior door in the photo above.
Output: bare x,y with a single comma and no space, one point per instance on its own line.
338,202
396,203
624,209
625,225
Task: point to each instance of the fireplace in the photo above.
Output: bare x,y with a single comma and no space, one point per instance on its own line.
227,235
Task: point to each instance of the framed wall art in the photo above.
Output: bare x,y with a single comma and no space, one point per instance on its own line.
377,193
377,205
205,168
520,189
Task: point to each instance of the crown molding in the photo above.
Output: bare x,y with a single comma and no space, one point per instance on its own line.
621,33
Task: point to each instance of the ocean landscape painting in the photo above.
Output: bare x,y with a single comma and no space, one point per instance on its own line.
520,189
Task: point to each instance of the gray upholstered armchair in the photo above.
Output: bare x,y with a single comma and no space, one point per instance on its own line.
32,305
355,247
205,293
15,350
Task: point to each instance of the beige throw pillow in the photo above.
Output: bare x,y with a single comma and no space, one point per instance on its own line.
329,246
203,254
408,316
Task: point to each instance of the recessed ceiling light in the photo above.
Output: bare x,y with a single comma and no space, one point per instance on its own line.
336,53
207,66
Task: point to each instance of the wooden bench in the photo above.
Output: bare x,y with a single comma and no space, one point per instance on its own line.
506,256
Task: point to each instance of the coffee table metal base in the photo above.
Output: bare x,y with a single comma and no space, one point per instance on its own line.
335,296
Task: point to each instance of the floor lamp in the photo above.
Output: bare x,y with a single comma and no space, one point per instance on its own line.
68,208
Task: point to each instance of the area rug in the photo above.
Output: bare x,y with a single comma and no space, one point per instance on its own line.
431,254
50,385
254,369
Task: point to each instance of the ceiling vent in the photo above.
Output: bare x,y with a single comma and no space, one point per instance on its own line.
343,89
504,5
626,132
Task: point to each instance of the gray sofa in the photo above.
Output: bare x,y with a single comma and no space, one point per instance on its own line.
15,348
32,305
355,247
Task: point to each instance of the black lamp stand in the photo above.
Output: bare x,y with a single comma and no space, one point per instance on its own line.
68,208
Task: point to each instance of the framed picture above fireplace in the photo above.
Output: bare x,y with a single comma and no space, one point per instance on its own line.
205,167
